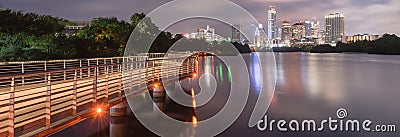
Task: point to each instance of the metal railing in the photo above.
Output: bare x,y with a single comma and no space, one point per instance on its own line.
34,101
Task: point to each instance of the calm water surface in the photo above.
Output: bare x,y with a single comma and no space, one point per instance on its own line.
309,86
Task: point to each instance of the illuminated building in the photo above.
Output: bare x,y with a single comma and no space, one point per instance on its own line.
236,33
307,28
208,34
271,23
321,37
315,31
299,35
254,31
75,26
334,28
286,33
298,31
260,37
359,37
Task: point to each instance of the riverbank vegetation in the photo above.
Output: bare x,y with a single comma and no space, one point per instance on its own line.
388,44
29,36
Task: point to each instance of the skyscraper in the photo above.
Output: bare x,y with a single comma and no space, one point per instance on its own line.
307,26
286,32
236,33
334,28
260,37
298,31
316,32
254,33
271,23
314,29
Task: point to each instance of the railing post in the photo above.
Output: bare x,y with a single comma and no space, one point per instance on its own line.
80,66
196,67
48,99
11,109
175,70
112,66
153,76
74,94
191,65
136,60
23,71
120,81
45,66
95,86
140,76
88,64
105,66
131,77
188,65
65,74
106,84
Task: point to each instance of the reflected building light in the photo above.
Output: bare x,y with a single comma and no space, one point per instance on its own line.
229,74
194,104
212,65
255,73
221,72
194,121
208,69
280,73
207,65
312,80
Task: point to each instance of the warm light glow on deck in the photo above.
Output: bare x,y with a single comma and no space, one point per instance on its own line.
98,110
194,104
192,92
194,121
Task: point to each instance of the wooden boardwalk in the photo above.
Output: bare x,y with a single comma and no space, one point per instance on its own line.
37,101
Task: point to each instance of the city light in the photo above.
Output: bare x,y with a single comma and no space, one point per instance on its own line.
98,110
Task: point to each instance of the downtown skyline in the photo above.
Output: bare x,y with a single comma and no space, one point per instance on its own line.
362,16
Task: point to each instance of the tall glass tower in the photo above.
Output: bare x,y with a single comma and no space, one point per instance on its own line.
334,28
271,23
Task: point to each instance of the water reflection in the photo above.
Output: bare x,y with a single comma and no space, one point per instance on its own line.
308,86
118,126
255,71
194,117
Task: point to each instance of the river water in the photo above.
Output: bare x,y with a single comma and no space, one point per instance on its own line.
308,86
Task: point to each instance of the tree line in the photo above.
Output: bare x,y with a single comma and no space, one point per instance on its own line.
388,44
29,36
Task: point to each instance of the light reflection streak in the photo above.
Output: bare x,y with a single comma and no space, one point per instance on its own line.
255,73
220,72
194,117
229,74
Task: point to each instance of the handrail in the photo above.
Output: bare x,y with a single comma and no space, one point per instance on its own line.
34,101
26,66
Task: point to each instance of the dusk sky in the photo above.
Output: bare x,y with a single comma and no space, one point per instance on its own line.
362,16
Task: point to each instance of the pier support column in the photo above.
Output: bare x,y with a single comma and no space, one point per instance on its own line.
118,119
159,98
118,126
119,110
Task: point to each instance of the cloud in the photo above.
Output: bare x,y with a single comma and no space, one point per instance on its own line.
362,16
376,18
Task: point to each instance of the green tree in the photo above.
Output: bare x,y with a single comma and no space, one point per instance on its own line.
107,36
